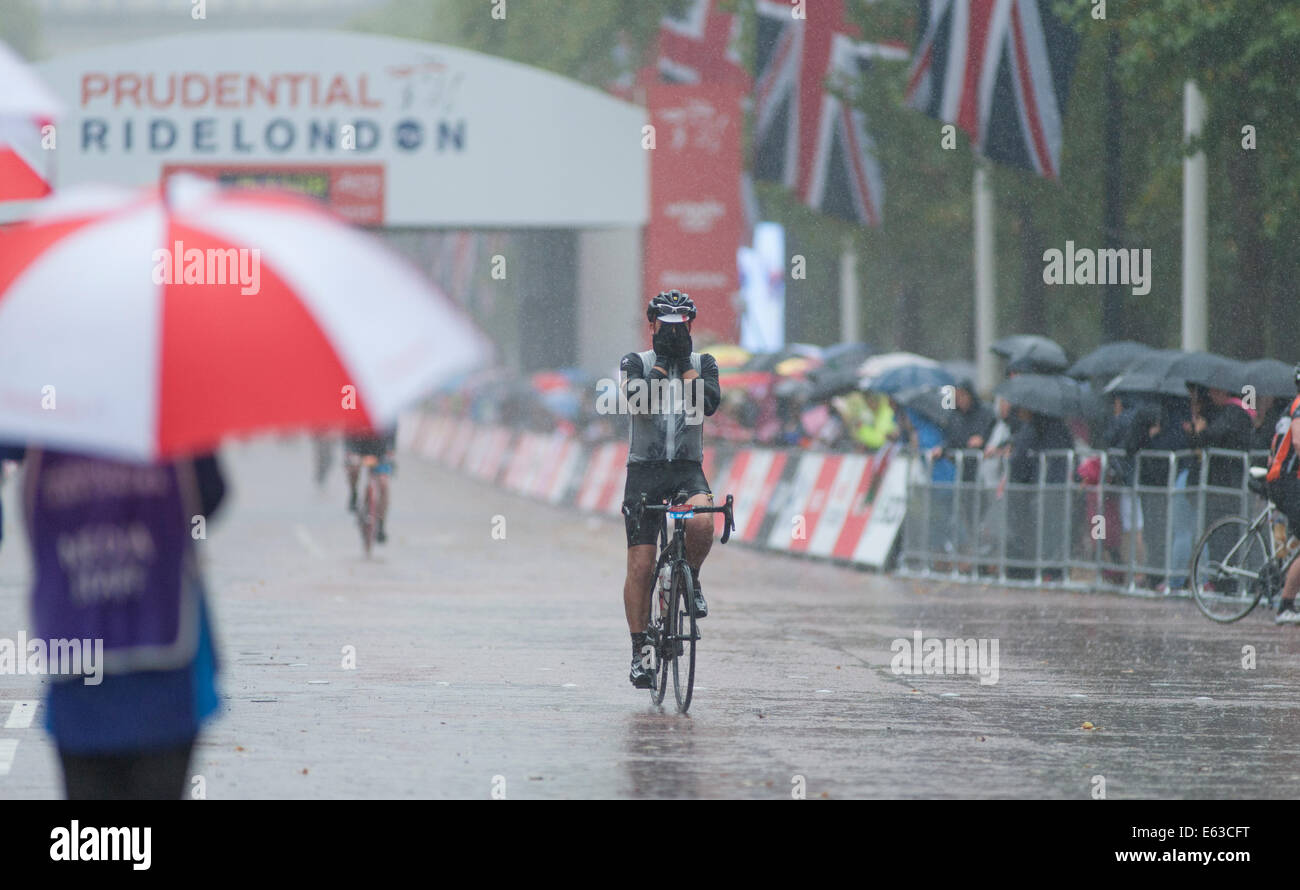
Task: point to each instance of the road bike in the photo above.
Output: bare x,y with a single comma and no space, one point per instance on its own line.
1240,561
672,629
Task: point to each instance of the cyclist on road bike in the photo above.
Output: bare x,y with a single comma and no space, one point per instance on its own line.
1284,490
666,449
381,445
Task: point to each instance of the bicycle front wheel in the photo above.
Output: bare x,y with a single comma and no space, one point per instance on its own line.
1229,569
684,634
658,629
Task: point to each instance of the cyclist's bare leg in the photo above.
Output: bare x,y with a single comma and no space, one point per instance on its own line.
383,498
1291,586
637,586
699,532
353,465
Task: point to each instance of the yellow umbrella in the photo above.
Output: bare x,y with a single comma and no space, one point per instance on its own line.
795,366
727,355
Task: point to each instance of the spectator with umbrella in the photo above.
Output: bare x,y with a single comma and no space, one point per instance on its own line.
1219,420
1135,423
1155,374
921,418
1219,417
1270,380
969,424
1039,406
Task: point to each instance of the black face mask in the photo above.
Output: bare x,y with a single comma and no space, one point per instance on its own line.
672,340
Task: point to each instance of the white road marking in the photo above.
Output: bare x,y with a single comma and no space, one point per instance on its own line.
305,539
8,747
21,716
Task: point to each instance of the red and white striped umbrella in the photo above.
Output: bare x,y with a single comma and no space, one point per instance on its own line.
26,106
146,327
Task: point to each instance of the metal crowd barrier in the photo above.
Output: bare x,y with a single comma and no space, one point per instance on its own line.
1126,523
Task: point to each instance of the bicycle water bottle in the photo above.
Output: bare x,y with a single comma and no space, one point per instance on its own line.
665,578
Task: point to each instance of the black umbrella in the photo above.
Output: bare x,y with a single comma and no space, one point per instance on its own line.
1030,352
929,403
1211,371
1155,372
1138,382
964,371
826,383
1108,359
1052,395
846,355
1271,377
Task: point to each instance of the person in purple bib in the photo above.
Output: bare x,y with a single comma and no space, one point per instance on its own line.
117,581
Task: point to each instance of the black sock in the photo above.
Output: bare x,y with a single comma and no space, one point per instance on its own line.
1284,605
638,641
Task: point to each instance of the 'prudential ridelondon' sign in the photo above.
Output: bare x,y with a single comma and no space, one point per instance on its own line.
462,138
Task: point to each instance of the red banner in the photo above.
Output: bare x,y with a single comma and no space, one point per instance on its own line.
696,221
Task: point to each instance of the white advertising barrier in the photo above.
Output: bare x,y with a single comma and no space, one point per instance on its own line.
887,518
794,504
823,538
569,474
603,465
498,452
392,132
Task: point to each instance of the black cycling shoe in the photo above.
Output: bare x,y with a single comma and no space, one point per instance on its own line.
641,677
701,607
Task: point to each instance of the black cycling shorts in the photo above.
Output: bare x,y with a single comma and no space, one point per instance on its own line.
1285,492
373,446
661,480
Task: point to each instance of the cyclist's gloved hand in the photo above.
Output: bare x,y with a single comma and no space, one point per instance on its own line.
673,343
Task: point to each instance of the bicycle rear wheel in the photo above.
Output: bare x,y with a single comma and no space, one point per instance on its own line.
684,634
1229,569
369,514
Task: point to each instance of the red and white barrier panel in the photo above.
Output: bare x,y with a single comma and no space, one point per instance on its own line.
846,507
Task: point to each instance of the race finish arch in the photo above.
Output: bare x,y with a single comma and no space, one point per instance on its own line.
418,140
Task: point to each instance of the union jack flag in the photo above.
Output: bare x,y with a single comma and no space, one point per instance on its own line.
1000,70
701,46
806,137
698,46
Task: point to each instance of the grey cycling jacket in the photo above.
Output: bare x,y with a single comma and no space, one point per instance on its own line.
667,420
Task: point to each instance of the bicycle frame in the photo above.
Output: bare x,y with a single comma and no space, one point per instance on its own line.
1258,526
1261,521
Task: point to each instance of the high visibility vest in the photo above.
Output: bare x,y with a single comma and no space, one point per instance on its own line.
1285,461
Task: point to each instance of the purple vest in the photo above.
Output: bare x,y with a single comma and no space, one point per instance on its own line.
113,557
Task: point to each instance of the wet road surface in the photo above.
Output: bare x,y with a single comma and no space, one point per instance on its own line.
486,663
